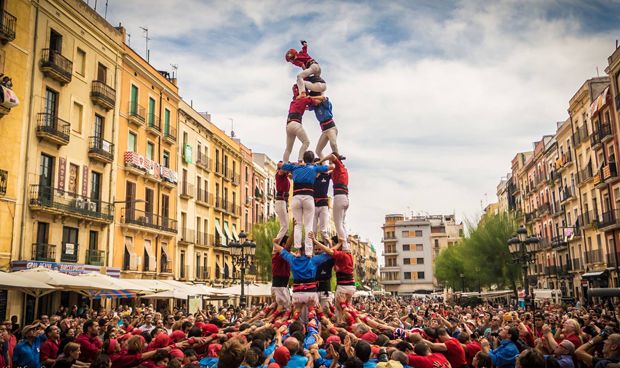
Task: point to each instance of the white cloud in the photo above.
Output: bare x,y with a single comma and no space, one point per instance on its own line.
432,101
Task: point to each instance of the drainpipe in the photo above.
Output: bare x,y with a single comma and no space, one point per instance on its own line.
158,201
30,115
109,245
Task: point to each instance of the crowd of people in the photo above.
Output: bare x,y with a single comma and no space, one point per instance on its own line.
382,332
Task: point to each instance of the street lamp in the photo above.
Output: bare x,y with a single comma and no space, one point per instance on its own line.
241,253
521,248
462,282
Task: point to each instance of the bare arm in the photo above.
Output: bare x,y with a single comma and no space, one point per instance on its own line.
436,346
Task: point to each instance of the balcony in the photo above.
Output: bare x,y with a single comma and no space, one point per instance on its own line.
559,242
576,264
95,257
609,220
202,161
165,266
187,236
153,124
594,256
139,165
147,220
59,202
581,135
204,239
589,218
103,95
611,260
233,209
53,129
202,273
529,217
101,150
7,27
544,209
136,114
170,134
204,198
556,209
56,66
44,252
563,162
586,174
184,272
567,194
70,252
608,173
187,190
602,134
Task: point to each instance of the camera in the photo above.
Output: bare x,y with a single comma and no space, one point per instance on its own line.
383,357
605,333
495,334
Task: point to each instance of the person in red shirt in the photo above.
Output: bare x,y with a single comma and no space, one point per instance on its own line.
343,265
281,272
49,349
424,358
450,347
90,345
283,186
340,185
472,347
294,129
310,68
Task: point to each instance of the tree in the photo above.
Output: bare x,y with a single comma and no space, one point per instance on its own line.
482,256
263,235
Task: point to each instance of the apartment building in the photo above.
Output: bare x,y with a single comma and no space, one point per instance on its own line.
260,200
410,246
66,171
247,188
146,186
365,261
270,168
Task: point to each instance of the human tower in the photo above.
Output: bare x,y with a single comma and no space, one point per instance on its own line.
311,257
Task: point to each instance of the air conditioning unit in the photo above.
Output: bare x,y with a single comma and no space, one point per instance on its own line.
92,206
79,203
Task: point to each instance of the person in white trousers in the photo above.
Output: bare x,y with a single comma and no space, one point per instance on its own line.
310,77
304,176
294,129
283,186
321,204
340,183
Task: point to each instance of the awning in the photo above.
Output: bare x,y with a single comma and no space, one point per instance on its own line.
148,247
234,232
218,230
227,231
594,275
115,294
164,249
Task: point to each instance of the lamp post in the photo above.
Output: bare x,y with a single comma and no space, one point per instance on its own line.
462,275
242,253
521,248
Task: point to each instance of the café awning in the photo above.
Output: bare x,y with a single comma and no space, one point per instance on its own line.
234,232
218,230
227,231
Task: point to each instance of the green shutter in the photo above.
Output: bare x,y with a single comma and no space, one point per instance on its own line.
187,154
134,100
166,121
151,112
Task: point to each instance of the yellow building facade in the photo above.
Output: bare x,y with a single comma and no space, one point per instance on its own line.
65,189
146,184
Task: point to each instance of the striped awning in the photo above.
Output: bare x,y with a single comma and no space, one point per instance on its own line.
115,294
218,230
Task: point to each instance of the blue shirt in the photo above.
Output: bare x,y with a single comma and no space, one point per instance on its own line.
302,267
270,349
304,174
26,354
505,355
323,111
371,363
209,362
297,361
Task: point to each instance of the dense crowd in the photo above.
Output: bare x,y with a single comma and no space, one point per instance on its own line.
385,332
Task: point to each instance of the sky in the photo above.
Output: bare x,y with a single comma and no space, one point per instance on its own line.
432,99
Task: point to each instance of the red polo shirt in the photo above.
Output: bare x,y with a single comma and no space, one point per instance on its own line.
283,184
455,353
429,361
471,350
302,58
280,267
340,175
49,350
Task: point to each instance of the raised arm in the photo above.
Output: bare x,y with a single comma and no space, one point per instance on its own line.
320,245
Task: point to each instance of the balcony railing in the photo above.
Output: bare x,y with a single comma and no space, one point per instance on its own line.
59,201
56,66
53,129
581,135
556,208
204,198
202,273
233,208
594,256
165,266
153,124
44,252
611,260
7,26
202,160
567,193
585,174
69,252
576,264
589,218
170,133
563,161
100,149
558,241
544,208
95,257
187,235
136,114
187,190
148,219
103,95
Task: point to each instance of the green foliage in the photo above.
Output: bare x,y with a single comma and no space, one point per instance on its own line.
263,235
482,256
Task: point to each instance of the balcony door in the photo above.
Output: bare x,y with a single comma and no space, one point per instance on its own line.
55,41
148,205
95,194
69,244
130,195
41,248
133,103
51,105
165,208
102,73
46,178
99,128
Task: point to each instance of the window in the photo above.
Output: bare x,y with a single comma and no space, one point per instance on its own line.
46,176
95,193
418,233
102,73
150,150
133,102
151,111
93,240
419,248
407,275
55,41
166,121
76,117
405,234
166,161
406,261
420,275
99,127
131,142
436,242
51,106
406,247
80,62
184,138
419,261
